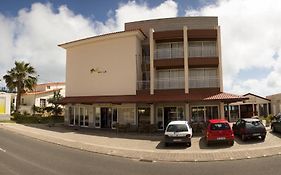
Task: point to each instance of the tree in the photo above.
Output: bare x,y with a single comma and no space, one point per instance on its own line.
55,109
21,78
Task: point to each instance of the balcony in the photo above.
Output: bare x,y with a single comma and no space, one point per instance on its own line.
168,50
204,82
202,49
175,83
143,85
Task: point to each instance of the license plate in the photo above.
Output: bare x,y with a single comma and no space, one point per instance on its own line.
256,134
221,138
177,140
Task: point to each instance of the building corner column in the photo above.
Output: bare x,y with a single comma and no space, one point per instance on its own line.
220,59
185,55
151,50
222,110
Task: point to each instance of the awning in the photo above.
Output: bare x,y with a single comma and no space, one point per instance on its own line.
156,98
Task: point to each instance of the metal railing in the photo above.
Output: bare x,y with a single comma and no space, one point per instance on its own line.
169,50
202,49
203,82
167,83
143,85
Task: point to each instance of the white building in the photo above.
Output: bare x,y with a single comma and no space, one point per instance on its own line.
6,101
39,97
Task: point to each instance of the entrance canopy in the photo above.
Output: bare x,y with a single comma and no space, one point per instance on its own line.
156,98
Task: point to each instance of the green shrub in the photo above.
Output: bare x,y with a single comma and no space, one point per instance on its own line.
35,119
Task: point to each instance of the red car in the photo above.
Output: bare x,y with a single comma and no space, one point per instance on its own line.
219,130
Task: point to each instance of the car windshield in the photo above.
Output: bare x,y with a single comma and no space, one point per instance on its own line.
177,128
220,126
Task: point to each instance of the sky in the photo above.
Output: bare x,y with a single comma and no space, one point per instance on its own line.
251,42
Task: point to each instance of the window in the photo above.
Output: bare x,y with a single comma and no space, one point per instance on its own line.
203,78
220,126
169,50
170,79
42,103
126,115
177,128
71,115
202,49
48,87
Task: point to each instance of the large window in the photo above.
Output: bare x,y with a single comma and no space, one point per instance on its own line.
170,79
126,115
202,49
169,50
203,78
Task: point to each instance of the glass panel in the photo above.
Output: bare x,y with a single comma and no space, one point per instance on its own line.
71,115
76,120
234,112
114,117
97,117
86,117
126,115
197,114
81,117
144,115
211,112
160,122
203,78
180,113
202,48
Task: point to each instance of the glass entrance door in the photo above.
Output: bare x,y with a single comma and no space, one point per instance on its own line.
106,117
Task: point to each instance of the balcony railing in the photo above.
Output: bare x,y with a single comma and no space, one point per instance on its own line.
175,83
202,49
143,85
169,50
203,82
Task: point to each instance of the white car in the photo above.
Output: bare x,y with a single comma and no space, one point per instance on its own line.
178,132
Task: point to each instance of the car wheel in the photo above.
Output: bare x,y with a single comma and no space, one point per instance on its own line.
262,138
166,144
208,143
231,143
243,137
189,144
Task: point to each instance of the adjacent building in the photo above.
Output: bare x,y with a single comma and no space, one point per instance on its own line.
153,72
40,95
7,103
253,106
275,103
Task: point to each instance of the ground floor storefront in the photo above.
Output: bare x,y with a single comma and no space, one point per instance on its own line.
139,115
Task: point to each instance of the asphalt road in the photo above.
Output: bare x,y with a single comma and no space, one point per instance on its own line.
26,156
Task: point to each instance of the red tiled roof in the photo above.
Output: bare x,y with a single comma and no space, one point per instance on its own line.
156,98
225,96
41,92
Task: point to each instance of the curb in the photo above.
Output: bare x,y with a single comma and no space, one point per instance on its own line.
152,156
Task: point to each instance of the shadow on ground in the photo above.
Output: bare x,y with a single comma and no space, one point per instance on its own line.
111,133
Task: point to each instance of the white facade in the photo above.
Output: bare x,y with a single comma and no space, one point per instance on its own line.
39,97
6,100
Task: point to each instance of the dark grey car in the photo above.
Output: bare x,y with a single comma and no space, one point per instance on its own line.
248,128
276,126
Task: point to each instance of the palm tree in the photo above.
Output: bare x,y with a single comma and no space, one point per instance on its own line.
21,78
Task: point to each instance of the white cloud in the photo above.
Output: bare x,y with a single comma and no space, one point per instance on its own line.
33,35
250,39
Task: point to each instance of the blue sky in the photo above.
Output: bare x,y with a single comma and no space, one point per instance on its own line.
97,9
251,41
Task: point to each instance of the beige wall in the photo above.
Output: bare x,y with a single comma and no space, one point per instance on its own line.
275,103
116,56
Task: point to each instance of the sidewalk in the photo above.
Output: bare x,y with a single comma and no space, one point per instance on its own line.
147,147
